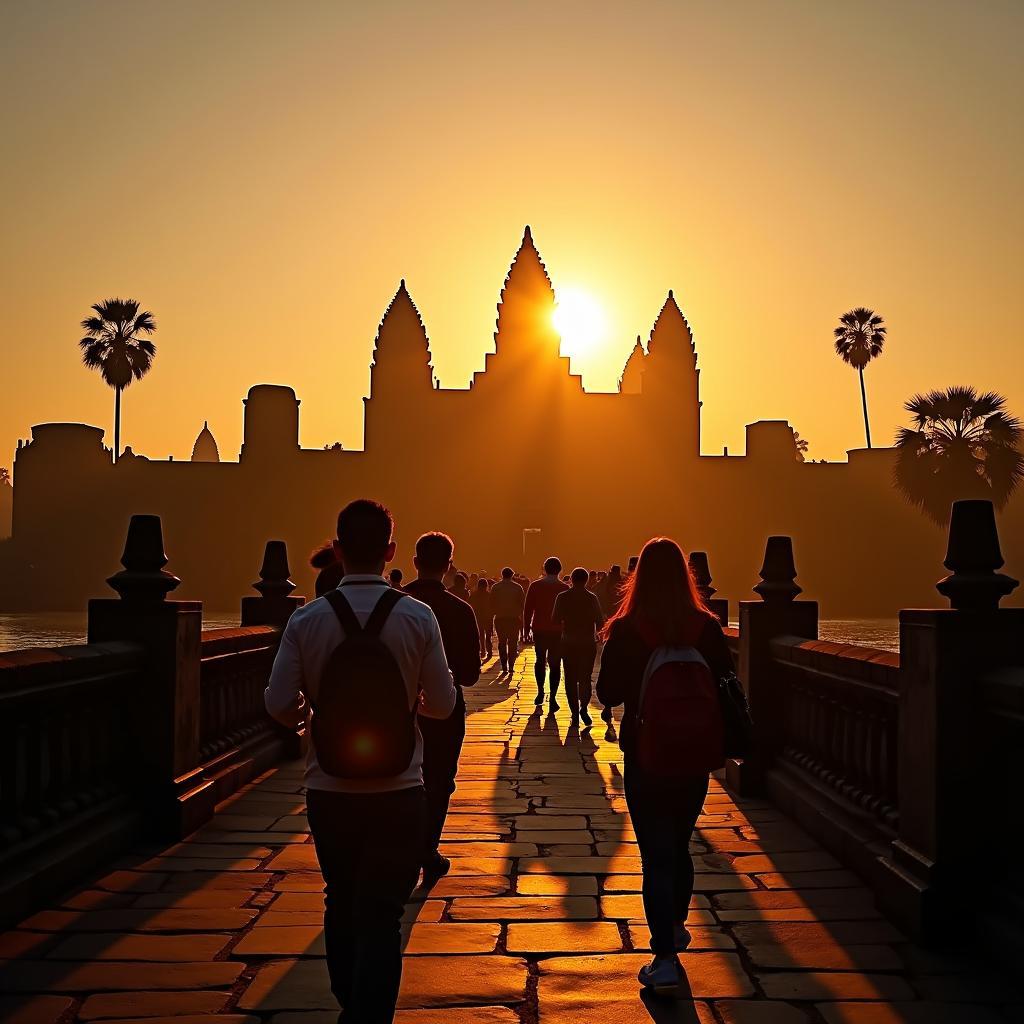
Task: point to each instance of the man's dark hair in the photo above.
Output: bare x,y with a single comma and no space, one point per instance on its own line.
507,573
580,575
552,566
395,575
364,532
434,551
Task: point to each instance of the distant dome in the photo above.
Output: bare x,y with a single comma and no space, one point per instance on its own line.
205,449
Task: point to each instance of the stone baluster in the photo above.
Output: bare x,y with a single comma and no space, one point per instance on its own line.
701,572
777,614
275,604
165,711
929,881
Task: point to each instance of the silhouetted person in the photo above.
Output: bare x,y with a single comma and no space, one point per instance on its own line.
460,586
631,565
368,831
329,568
442,740
578,612
395,578
507,599
609,593
547,635
480,601
661,608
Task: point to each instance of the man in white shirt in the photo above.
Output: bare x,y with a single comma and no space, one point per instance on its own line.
368,832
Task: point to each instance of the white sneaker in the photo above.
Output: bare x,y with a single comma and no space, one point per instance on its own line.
663,973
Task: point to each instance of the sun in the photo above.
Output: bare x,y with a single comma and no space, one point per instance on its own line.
580,320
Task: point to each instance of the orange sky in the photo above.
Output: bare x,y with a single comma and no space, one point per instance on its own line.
260,175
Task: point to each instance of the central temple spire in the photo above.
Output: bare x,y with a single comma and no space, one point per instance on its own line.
401,356
527,305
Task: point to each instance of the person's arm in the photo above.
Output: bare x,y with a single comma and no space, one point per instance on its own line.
558,611
528,607
437,691
283,697
598,615
715,650
467,672
611,680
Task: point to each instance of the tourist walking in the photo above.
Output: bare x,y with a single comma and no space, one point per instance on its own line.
442,739
507,599
368,661
663,657
395,578
480,601
547,635
577,612
329,569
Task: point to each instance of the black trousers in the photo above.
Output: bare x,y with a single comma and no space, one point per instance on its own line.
578,658
442,744
664,813
508,640
549,652
368,846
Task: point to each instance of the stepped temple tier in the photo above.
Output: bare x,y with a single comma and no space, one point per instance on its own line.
520,464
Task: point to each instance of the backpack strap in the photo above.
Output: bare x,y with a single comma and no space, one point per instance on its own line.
381,611
343,610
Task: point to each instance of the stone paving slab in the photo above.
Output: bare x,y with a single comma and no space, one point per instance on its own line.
150,1004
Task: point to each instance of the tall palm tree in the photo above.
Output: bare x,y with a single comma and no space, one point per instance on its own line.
859,339
114,345
962,445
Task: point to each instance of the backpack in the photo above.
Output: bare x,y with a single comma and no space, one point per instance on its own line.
679,726
362,727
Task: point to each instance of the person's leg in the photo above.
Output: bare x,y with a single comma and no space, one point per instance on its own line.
570,656
584,685
656,840
442,744
540,648
393,830
687,808
338,843
554,663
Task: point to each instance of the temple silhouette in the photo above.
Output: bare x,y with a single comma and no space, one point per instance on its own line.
521,463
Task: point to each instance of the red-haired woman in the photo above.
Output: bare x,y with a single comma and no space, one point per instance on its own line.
660,608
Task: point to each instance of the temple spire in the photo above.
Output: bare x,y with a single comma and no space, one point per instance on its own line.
631,381
527,305
401,355
671,346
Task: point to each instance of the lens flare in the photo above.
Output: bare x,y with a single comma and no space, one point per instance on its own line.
580,320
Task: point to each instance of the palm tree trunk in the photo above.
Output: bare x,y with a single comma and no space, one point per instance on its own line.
864,401
117,423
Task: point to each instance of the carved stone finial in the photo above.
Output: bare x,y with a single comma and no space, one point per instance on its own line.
701,572
972,557
274,572
143,577
778,573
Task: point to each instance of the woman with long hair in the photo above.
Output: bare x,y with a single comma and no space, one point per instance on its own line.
660,608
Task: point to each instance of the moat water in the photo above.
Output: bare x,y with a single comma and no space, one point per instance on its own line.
53,629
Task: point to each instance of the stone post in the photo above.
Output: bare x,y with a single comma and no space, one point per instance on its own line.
701,572
931,877
274,606
777,614
165,710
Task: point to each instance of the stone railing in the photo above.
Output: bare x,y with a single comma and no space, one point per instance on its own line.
140,732
881,756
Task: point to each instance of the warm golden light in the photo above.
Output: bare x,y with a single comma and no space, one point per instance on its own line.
580,320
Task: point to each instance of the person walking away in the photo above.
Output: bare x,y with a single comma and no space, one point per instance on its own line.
663,657
329,569
395,578
507,599
578,612
460,586
442,739
364,776
480,601
547,635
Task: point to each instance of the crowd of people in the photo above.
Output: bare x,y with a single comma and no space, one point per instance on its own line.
382,662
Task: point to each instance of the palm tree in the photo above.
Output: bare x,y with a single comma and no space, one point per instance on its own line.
5,476
114,345
859,339
801,445
962,445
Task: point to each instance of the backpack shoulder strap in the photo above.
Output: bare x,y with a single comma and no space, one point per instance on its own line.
385,605
343,610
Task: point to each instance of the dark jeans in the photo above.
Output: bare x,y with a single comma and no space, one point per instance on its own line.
368,846
664,812
442,744
549,652
508,640
578,657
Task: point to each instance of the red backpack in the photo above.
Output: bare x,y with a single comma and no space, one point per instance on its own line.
679,728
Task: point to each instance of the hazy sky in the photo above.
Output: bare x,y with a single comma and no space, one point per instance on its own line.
261,175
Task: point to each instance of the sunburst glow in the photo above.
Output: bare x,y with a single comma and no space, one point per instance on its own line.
580,320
